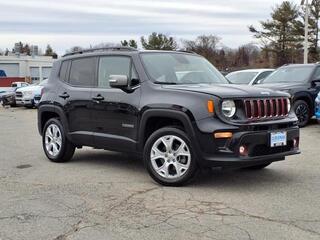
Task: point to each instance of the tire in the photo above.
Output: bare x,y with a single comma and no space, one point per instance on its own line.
54,152
258,167
171,167
302,110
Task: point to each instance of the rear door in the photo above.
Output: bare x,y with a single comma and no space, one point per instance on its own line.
115,112
78,78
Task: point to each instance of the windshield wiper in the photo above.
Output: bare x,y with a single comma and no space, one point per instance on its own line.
167,83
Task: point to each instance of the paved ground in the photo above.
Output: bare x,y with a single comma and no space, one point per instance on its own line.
104,195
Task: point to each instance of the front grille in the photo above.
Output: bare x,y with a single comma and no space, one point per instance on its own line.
19,94
266,108
37,97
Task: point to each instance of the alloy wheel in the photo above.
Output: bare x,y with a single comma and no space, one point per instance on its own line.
53,140
170,157
302,113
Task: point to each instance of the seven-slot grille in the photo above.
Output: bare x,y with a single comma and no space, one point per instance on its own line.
266,108
19,94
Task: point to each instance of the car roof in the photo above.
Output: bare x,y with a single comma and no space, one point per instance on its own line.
300,65
258,70
125,52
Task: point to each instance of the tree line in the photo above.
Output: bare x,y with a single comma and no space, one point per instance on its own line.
279,41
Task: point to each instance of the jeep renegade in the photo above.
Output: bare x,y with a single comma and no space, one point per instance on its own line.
172,107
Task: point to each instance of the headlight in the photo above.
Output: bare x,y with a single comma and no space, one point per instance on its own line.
27,93
228,108
288,105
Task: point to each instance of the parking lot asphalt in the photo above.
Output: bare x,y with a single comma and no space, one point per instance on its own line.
107,195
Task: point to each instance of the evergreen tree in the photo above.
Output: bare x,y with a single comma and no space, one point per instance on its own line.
158,41
281,35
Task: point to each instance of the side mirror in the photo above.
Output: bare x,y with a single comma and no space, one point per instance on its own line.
119,81
316,82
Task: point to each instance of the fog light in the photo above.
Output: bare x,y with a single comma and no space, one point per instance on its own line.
296,142
243,150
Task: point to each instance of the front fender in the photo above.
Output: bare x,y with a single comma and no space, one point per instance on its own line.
168,113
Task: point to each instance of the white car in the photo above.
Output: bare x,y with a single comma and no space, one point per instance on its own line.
25,96
249,76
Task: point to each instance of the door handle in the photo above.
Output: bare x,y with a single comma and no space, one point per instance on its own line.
98,98
64,95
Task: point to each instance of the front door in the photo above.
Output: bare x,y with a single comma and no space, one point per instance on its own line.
114,111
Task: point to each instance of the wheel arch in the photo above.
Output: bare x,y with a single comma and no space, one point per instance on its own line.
45,112
157,118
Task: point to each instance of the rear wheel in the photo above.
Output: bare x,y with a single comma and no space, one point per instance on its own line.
55,144
169,157
302,110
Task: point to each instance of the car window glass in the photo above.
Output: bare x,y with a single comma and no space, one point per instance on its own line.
82,72
316,75
64,71
290,74
241,77
263,75
112,65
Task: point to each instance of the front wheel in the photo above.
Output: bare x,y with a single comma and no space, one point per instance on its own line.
169,157
55,144
302,110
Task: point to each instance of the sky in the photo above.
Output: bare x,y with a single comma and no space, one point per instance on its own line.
67,23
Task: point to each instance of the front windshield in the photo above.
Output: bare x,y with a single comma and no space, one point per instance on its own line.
290,74
177,68
241,77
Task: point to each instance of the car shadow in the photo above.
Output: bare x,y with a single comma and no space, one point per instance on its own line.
108,159
232,179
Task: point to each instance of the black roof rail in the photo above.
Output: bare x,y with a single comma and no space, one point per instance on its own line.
185,50
100,50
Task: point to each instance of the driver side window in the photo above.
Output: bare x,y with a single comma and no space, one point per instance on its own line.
115,65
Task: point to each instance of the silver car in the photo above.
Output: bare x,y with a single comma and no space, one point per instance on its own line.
249,76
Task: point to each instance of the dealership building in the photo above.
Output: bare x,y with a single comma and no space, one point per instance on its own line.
31,68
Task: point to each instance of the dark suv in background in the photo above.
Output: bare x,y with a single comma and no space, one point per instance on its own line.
302,82
172,107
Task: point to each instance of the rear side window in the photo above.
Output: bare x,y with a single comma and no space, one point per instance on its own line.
82,72
64,71
112,65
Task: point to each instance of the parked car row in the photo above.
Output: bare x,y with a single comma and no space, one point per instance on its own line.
301,81
27,96
317,110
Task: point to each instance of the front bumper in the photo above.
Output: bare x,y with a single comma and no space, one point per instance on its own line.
25,101
226,152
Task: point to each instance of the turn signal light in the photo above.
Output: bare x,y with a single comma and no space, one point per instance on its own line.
210,106
223,135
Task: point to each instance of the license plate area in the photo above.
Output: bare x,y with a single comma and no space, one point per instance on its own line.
278,139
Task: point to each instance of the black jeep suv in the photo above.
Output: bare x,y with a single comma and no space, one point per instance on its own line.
302,81
173,107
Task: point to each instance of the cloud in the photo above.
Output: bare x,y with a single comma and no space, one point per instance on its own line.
94,21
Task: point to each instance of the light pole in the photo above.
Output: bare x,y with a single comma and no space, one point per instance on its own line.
306,32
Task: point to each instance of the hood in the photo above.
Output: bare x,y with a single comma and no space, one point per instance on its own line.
228,90
30,88
281,86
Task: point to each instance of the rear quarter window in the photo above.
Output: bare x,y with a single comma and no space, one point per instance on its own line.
82,72
63,75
